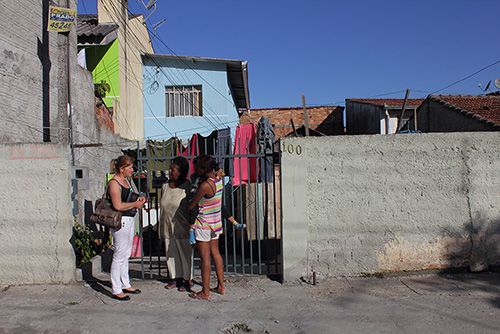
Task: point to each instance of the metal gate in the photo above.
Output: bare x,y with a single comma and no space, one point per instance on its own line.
255,250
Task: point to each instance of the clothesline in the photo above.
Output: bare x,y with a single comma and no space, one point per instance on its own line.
249,158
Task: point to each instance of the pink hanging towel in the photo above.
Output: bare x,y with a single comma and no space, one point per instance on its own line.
245,144
136,247
191,152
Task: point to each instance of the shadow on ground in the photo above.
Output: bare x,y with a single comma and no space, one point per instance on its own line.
474,249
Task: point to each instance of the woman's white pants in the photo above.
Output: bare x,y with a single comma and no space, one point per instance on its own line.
122,243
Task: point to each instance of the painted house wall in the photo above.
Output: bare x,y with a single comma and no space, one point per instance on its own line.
134,40
218,111
102,61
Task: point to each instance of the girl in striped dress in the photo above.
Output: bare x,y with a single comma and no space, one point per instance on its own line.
208,225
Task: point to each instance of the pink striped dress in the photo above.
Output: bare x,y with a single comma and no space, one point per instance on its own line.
209,216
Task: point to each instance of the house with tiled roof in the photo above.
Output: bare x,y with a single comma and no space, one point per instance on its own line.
289,121
379,116
459,113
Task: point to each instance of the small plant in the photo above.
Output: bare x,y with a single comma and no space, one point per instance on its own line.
87,243
101,89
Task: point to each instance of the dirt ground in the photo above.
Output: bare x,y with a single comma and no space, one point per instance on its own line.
460,303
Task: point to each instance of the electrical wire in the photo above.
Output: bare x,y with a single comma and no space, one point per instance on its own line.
187,65
161,68
465,78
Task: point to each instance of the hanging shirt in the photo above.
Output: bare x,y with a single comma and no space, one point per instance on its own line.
223,150
244,144
207,144
265,143
191,151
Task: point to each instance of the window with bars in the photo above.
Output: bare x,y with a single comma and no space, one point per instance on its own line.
183,101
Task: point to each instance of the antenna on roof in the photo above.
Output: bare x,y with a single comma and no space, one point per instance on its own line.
157,25
148,6
497,83
486,88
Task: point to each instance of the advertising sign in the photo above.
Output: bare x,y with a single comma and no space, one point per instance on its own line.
61,19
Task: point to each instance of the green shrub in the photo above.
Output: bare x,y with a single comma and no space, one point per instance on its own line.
101,89
87,243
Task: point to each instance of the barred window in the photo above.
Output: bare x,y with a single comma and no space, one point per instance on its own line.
183,101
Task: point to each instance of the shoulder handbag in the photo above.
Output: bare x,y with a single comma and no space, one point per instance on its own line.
105,215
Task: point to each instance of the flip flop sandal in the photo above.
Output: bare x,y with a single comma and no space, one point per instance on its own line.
135,291
185,287
170,286
124,298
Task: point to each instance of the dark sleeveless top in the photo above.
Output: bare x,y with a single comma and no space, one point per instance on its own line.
126,198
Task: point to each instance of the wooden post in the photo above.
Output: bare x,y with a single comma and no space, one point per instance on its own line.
415,118
306,116
293,127
400,123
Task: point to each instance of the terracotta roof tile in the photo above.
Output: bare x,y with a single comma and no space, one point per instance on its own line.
325,119
390,102
485,108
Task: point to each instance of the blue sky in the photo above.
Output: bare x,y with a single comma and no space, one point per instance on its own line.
333,50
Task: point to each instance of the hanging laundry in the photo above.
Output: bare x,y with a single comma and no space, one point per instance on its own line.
207,144
191,151
223,150
244,144
265,143
158,155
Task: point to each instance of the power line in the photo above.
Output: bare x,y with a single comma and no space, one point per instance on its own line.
467,77
389,93
141,89
185,63
169,79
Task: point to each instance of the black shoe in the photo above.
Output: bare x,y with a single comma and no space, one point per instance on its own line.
121,298
134,292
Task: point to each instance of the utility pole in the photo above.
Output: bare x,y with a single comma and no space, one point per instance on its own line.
306,116
44,55
69,106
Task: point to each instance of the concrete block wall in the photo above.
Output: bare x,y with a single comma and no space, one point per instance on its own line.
92,160
35,220
21,73
366,204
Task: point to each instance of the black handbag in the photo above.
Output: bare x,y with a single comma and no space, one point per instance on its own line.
105,215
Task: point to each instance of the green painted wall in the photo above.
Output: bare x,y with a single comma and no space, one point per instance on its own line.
103,62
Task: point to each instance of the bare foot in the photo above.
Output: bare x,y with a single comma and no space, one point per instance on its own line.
199,295
218,289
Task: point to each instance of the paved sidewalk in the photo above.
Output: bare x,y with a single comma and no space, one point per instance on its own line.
464,303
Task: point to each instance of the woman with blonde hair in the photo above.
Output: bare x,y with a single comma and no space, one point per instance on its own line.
124,199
